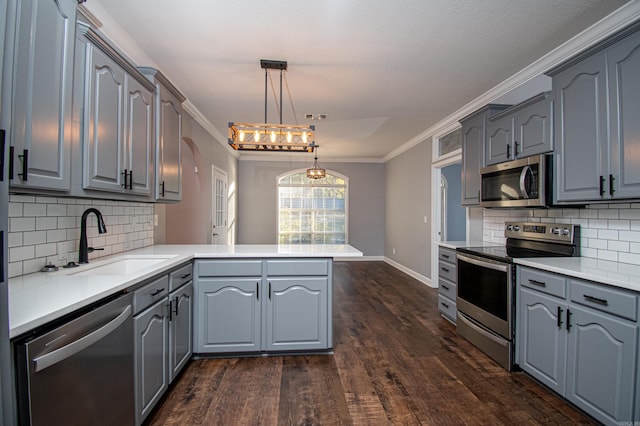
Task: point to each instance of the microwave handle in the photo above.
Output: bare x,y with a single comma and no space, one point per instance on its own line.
523,178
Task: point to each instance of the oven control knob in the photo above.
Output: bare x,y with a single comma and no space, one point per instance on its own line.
516,228
555,231
509,227
565,231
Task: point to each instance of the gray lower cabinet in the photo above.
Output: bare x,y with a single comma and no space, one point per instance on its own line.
254,305
521,131
596,132
40,132
581,340
229,315
151,346
447,283
474,128
163,323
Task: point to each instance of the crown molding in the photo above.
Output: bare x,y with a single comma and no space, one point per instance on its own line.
606,27
296,158
210,128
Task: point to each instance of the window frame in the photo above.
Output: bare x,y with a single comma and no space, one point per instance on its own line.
314,184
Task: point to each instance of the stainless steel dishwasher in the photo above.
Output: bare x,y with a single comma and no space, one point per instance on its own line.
80,372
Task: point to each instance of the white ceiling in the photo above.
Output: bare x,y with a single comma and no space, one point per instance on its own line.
384,71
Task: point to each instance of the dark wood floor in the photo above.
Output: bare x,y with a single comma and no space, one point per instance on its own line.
396,361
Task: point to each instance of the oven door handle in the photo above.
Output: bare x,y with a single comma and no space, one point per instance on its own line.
484,263
523,181
482,331
44,361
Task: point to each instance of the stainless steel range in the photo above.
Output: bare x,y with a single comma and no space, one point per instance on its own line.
486,283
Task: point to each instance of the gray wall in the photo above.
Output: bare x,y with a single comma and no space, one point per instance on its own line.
189,221
257,202
456,214
408,201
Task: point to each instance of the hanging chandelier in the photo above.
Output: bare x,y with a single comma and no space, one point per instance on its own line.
272,137
316,172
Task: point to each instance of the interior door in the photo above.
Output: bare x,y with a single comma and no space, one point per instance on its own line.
218,206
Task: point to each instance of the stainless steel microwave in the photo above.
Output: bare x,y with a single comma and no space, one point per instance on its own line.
519,183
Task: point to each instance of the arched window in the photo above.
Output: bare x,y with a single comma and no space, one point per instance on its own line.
312,211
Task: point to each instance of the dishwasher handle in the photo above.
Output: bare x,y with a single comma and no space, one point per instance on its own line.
54,357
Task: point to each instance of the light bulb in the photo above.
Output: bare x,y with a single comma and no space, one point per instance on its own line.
273,136
256,136
304,137
289,137
241,136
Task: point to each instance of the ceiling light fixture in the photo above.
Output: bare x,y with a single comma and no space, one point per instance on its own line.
316,172
272,137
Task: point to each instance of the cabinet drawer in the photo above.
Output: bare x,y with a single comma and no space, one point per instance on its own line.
447,288
298,267
447,255
447,307
229,268
555,285
180,277
614,301
150,293
448,271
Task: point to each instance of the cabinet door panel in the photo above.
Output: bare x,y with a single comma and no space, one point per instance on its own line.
228,317
624,104
297,314
602,354
139,137
472,160
581,130
103,149
542,344
498,147
534,129
180,330
151,342
42,87
170,171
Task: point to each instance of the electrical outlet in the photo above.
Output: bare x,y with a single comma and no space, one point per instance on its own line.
393,250
155,220
425,219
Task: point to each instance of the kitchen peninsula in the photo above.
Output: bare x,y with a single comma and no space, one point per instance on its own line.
36,299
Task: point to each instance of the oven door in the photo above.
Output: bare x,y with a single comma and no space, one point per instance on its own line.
485,292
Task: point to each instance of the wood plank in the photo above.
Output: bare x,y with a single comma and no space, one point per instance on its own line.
396,361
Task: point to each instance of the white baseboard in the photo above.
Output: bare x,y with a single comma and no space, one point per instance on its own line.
361,259
410,272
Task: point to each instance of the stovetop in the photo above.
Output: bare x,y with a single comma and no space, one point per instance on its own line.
529,240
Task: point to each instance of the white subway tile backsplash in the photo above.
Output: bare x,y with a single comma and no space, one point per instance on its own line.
47,229
608,231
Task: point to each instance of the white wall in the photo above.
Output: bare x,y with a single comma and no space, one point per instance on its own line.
408,202
608,231
189,222
47,229
257,203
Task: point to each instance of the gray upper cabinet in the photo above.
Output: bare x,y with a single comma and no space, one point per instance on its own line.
168,136
473,142
596,131
521,131
623,61
117,123
40,133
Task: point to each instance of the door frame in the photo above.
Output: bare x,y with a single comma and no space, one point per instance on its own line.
219,174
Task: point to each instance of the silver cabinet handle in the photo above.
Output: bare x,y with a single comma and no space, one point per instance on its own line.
84,342
523,178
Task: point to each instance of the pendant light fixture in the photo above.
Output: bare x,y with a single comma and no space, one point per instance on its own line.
316,172
272,137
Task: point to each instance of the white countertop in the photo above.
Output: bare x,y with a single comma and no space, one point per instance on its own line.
38,298
617,274
455,244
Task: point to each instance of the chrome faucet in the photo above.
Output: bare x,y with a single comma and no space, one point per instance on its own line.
83,251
